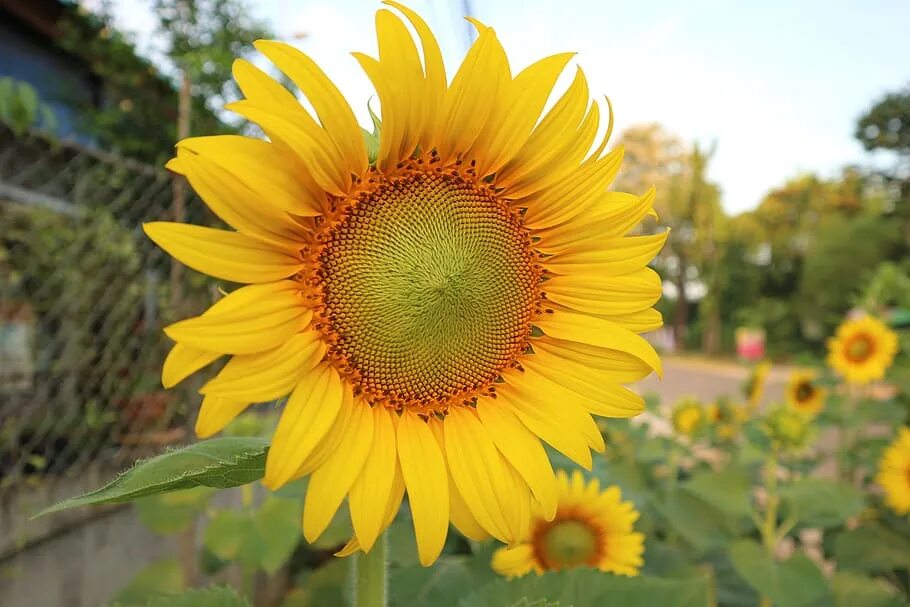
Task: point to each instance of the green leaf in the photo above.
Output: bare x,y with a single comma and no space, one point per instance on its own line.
700,525
321,587
264,538
214,596
821,503
582,587
852,589
797,582
172,512
440,585
872,548
729,491
220,462
161,578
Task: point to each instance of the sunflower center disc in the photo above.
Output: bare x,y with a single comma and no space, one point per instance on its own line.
568,543
804,391
859,348
429,286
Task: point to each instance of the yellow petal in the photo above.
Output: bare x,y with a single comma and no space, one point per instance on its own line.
461,516
597,294
613,365
306,138
331,442
480,475
514,561
268,375
426,479
608,257
638,322
523,450
262,167
216,413
331,107
182,361
306,418
613,216
601,396
516,112
466,107
226,255
391,510
331,481
542,417
263,324
374,484
434,73
598,332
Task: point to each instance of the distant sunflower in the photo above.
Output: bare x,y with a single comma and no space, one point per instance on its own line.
894,473
688,417
803,392
592,528
434,313
862,350
755,384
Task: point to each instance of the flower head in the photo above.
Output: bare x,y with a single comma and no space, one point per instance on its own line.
592,528
688,417
788,429
754,386
803,392
434,314
862,350
894,473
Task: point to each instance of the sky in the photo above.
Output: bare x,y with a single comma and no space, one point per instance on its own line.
776,84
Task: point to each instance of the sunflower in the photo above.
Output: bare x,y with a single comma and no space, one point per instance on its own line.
725,418
789,430
434,310
862,350
754,386
688,417
804,394
592,528
894,473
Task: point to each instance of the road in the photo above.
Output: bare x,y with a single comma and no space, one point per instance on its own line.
708,379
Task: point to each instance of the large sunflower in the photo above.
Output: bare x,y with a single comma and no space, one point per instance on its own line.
592,528
803,392
862,350
433,314
894,473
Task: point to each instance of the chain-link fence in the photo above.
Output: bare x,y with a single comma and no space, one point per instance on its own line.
83,297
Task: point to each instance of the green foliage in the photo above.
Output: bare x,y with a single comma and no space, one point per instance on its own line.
886,126
851,589
588,587
219,462
164,578
872,548
174,511
819,502
263,538
729,491
796,582
21,108
215,596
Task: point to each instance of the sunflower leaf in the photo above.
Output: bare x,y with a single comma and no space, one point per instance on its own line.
820,502
220,463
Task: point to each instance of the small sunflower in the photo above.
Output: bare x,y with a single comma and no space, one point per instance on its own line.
754,387
894,473
592,528
789,430
688,417
725,418
862,349
434,310
804,394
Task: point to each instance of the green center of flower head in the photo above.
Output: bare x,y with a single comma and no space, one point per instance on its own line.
429,286
859,348
568,543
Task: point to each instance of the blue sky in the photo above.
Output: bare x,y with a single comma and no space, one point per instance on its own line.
777,84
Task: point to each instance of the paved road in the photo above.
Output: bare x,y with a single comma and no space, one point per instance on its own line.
708,380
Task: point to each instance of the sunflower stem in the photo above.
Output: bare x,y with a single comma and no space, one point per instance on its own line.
769,530
371,575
